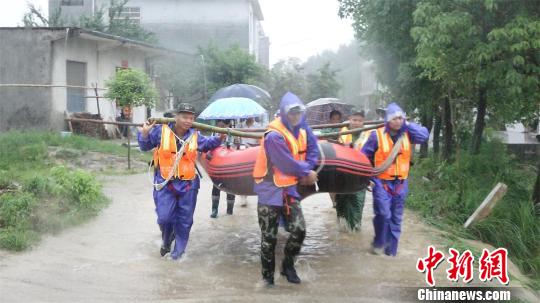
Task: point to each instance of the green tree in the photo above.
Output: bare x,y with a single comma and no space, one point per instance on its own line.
383,29
287,76
352,70
484,52
323,83
195,79
225,67
131,87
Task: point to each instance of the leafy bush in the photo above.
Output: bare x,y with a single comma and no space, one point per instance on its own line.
16,209
82,187
37,196
66,197
131,87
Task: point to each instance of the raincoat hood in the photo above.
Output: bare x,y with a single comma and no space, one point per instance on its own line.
393,110
288,102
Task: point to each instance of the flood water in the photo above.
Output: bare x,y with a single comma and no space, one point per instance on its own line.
115,257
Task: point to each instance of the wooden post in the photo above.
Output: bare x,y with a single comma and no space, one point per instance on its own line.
67,118
129,147
487,205
97,100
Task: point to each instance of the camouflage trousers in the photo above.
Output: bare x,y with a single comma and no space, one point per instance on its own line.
268,222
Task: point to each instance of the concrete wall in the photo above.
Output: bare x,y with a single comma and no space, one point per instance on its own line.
186,24
26,58
72,12
264,51
39,56
102,59
191,11
188,37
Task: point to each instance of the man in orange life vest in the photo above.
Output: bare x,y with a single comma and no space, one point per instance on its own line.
391,187
176,180
287,156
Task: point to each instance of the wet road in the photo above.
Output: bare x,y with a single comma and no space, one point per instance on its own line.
115,257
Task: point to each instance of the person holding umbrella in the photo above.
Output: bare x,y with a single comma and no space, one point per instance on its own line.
176,183
287,156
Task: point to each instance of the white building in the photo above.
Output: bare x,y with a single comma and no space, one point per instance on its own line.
184,25
60,57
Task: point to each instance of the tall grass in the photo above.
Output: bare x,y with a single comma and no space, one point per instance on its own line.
455,190
33,146
37,196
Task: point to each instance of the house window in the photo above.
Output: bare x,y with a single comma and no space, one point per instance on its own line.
76,78
72,3
129,13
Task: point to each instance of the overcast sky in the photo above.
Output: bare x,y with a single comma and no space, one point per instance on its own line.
297,28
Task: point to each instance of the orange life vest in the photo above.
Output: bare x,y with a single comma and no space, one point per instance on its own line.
400,167
165,155
347,139
296,146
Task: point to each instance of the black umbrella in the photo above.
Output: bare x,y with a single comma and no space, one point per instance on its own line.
245,91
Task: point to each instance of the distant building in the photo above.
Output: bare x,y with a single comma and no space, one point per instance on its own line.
523,143
60,57
184,25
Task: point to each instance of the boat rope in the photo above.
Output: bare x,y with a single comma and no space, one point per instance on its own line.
179,154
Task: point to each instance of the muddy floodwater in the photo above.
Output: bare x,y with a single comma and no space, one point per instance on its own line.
115,257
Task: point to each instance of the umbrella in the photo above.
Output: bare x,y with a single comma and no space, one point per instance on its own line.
318,111
232,108
243,90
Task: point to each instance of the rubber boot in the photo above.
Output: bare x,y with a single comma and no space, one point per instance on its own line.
287,270
166,247
215,205
243,201
268,282
230,206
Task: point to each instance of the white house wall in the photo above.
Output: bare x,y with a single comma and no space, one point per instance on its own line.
101,60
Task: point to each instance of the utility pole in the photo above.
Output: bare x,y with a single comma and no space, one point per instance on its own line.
204,76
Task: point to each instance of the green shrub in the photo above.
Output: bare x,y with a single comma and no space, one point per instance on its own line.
16,209
35,195
17,238
82,187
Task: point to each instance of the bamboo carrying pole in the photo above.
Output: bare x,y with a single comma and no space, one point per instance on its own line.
201,126
256,135
318,126
228,131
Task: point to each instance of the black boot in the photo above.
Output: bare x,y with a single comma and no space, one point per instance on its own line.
268,282
287,270
230,206
215,205
166,247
